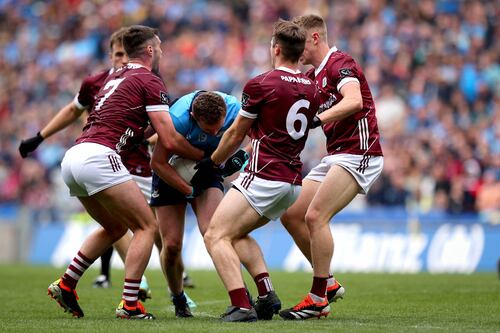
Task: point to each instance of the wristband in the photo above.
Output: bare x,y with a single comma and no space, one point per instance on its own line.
316,122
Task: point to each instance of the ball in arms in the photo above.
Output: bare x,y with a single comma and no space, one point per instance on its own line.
184,167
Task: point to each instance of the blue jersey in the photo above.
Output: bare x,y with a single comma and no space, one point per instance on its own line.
186,125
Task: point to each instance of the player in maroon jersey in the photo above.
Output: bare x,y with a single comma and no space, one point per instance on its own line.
353,163
84,100
277,107
136,160
130,98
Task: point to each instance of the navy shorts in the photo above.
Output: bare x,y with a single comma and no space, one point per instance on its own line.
163,194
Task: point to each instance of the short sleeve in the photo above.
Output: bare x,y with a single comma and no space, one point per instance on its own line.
345,71
156,97
251,99
84,98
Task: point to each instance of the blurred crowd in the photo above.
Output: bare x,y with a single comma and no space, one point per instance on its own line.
432,65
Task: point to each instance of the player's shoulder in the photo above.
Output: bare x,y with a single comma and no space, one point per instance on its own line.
339,58
228,99
96,79
310,73
181,105
259,79
138,72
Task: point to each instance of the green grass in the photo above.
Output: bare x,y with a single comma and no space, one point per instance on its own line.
374,303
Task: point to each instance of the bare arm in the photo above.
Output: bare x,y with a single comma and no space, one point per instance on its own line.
351,103
232,139
168,174
171,139
61,120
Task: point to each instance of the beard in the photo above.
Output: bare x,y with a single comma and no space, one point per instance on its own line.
155,66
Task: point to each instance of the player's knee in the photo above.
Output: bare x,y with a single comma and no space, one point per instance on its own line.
288,221
210,239
312,219
116,233
172,250
150,228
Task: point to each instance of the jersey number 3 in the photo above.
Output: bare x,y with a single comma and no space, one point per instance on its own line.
111,87
294,115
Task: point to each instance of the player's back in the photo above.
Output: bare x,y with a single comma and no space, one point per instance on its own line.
283,102
119,116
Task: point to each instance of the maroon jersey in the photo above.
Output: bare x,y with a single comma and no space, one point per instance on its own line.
89,89
119,116
137,159
283,103
357,134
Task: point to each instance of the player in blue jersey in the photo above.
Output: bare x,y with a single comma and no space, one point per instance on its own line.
201,117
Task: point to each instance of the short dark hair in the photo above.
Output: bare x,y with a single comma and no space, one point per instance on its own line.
312,21
136,37
209,107
291,38
117,37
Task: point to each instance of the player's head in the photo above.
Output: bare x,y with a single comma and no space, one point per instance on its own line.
287,42
117,53
316,33
209,111
142,43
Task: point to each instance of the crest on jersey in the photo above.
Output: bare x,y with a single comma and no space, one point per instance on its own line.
323,83
244,99
345,72
164,97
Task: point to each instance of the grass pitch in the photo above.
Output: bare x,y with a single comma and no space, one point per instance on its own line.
373,303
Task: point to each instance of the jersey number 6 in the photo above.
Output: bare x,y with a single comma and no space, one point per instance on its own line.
294,115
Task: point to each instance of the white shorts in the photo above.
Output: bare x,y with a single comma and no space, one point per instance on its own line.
88,168
269,198
144,184
364,168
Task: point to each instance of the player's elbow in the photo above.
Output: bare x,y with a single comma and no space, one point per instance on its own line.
236,136
357,103
174,143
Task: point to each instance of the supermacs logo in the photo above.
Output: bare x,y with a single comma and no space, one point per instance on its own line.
328,104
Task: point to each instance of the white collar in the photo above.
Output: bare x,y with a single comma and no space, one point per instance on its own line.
135,65
288,70
325,60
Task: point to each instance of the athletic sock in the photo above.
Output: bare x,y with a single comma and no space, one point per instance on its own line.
264,284
75,270
131,292
239,298
330,281
319,286
105,262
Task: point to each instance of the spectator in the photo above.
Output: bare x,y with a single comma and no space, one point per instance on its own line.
435,64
